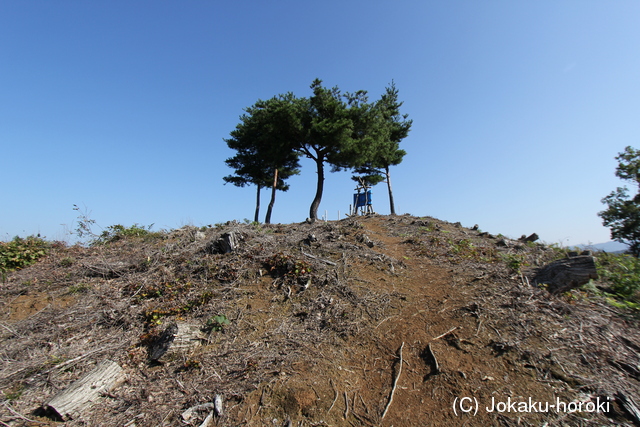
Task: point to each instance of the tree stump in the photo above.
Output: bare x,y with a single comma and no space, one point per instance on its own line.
160,346
566,274
529,239
227,242
179,338
83,393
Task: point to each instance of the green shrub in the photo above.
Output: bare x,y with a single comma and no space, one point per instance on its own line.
67,261
117,232
622,272
515,262
19,252
80,288
216,323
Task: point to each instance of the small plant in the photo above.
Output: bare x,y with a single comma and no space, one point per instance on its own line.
116,232
19,252
80,288
85,223
216,323
14,392
67,262
515,262
173,307
189,365
294,270
464,248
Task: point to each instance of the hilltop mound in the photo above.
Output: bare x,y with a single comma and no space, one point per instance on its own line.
381,320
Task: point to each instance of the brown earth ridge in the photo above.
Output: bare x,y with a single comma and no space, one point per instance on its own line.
366,321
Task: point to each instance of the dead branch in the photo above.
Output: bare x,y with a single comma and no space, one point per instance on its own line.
336,395
434,361
186,415
346,405
319,259
446,333
395,382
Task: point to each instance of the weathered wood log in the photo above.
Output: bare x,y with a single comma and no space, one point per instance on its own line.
83,393
566,274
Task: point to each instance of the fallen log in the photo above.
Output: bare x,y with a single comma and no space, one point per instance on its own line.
83,393
566,274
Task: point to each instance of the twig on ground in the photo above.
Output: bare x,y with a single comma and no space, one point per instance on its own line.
479,326
436,367
446,333
19,415
319,259
9,329
366,408
384,320
395,382
75,359
336,395
346,404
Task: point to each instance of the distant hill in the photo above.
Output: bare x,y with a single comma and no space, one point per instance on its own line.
607,247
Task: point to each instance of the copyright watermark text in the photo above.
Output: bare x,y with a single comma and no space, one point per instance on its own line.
471,405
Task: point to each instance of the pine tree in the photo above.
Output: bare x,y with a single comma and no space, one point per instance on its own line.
392,128
332,132
623,213
263,141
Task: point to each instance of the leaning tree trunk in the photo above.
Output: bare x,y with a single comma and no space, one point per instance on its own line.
391,202
267,220
256,216
315,205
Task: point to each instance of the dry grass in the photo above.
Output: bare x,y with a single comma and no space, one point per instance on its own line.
315,316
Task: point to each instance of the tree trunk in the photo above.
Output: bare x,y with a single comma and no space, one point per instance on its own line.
79,396
391,202
313,211
267,220
256,216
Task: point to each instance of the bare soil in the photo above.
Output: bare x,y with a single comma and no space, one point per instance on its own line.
373,321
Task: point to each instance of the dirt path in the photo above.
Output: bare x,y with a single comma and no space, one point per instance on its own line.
320,318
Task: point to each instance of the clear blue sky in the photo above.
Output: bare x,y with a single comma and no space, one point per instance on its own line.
519,108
